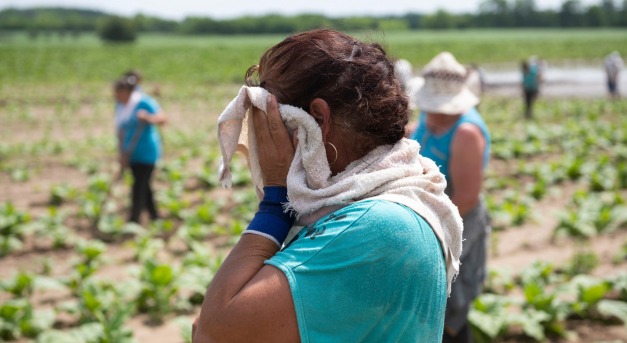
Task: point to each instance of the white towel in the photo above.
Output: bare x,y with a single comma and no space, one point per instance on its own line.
123,112
391,172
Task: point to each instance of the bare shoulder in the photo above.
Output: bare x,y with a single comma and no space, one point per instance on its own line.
468,133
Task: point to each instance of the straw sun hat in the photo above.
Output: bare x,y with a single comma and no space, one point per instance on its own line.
444,90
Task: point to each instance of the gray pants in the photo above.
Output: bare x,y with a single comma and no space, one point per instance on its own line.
472,271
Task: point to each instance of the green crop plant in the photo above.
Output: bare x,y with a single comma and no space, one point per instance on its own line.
171,201
21,285
90,258
602,179
103,302
592,214
204,213
621,255
12,228
622,175
513,210
173,172
574,168
499,281
93,332
208,176
185,325
115,227
20,174
583,262
488,317
19,319
60,194
146,247
159,289
99,184
194,232
52,226
589,291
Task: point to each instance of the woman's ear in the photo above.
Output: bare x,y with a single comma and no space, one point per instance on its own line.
320,110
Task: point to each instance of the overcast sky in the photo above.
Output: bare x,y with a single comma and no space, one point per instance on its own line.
178,9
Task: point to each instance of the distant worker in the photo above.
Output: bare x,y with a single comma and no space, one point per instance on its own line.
139,143
452,133
530,85
613,65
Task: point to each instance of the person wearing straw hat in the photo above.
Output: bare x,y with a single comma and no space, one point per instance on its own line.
452,133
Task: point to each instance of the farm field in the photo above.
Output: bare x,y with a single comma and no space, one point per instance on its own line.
71,270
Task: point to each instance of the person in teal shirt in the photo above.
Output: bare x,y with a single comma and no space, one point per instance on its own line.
530,85
453,134
139,143
371,257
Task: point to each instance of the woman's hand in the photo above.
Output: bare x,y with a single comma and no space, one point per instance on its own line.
275,147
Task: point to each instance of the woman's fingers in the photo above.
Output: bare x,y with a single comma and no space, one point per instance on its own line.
278,130
275,148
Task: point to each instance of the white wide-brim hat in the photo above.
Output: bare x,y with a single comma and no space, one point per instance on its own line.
444,90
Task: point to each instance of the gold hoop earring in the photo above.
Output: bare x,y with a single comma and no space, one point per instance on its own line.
335,149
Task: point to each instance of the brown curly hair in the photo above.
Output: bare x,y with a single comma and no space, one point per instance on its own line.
356,79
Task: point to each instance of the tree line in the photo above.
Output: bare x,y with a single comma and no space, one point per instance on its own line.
490,14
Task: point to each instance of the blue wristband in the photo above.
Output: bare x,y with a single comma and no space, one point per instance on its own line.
271,221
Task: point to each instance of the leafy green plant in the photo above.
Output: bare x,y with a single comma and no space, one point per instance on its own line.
592,214
18,319
612,309
89,260
193,232
115,227
171,201
185,325
513,210
20,174
21,285
146,247
60,194
589,291
488,317
52,225
208,177
204,213
174,171
621,256
12,228
158,289
582,262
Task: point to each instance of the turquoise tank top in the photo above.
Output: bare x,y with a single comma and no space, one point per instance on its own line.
372,271
438,147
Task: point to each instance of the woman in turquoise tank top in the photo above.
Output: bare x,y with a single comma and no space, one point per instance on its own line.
452,133
366,260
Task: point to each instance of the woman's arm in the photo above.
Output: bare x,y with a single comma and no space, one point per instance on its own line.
158,118
466,167
248,301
